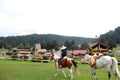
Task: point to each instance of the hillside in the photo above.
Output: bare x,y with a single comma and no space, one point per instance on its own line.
113,35
112,38
30,40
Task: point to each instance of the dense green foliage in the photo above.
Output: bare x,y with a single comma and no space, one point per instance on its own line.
25,70
84,45
112,37
47,41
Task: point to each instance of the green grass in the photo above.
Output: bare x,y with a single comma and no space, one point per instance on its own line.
18,70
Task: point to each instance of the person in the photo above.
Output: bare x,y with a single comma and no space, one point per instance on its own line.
63,54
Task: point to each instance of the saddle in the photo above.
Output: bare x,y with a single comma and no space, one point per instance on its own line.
63,62
92,61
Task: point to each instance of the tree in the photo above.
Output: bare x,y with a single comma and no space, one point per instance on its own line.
48,44
2,44
114,35
111,44
27,41
67,44
55,45
117,30
20,46
51,44
84,45
27,46
71,45
9,46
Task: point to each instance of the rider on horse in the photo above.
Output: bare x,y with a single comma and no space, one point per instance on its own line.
64,51
63,54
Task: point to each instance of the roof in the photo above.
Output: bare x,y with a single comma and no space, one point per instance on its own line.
23,52
99,47
78,52
102,45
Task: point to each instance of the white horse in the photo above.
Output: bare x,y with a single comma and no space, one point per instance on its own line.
103,61
66,62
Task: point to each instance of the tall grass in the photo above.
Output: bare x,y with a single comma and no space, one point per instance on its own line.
25,70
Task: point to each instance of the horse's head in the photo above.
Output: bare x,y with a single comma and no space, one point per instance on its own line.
54,55
85,58
51,57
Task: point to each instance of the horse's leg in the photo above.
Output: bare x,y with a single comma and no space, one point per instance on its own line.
56,72
115,72
71,73
108,71
56,66
63,72
116,76
109,75
94,74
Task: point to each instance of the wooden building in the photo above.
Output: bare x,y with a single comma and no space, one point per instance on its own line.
99,48
38,50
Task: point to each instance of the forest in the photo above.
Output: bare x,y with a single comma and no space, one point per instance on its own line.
112,38
47,41
50,41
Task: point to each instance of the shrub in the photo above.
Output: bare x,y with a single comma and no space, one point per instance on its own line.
45,57
24,57
14,57
36,58
8,53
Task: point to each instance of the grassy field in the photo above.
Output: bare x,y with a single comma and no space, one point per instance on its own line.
18,70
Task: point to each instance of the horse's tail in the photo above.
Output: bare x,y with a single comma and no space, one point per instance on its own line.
75,66
115,66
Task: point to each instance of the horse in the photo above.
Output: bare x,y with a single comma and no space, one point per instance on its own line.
102,61
65,63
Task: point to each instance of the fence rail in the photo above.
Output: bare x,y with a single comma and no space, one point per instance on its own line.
33,60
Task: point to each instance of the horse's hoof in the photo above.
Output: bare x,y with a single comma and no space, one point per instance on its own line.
65,76
69,78
96,79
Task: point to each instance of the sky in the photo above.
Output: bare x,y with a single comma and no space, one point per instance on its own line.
82,18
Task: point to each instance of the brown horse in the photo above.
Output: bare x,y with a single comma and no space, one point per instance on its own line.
65,63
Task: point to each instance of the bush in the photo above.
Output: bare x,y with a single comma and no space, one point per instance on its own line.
14,57
24,57
36,59
45,57
8,53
